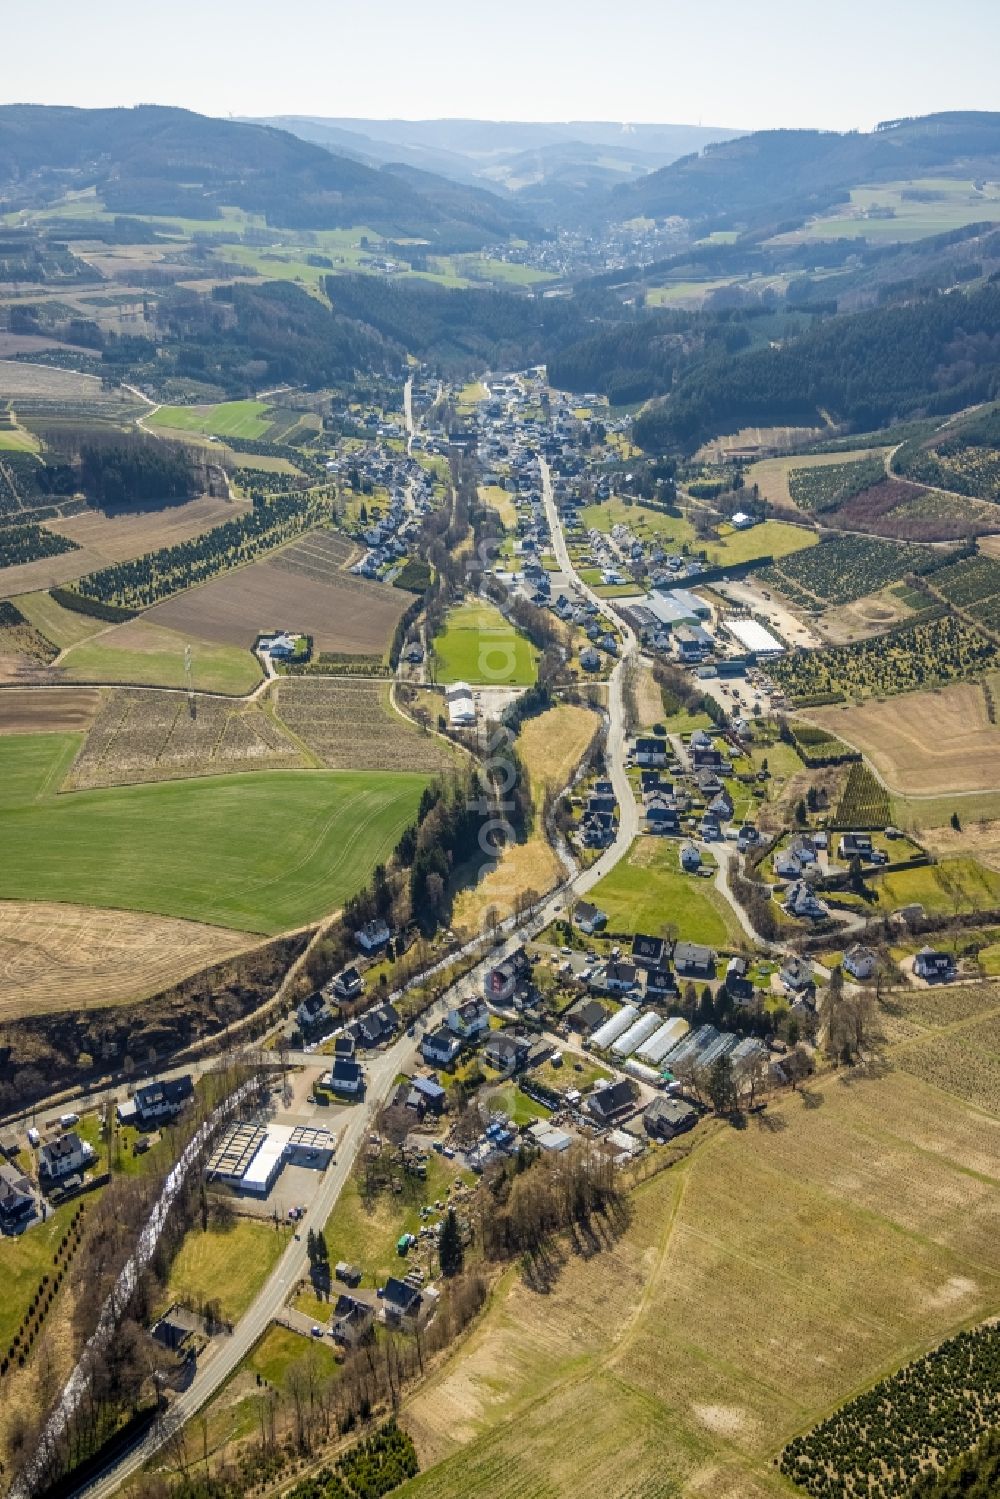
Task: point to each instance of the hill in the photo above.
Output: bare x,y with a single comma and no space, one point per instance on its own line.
775,175
157,160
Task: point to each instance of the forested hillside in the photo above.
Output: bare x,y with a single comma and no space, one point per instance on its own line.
867,369
154,160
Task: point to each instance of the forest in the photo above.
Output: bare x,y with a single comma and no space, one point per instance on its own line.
866,370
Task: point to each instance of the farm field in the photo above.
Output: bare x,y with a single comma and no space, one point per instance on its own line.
103,539
262,852
154,736
226,1264
478,645
56,710
757,439
923,743
24,384
771,474
142,651
63,627
914,210
64,957
288,590
845,568
349,723
648,890
731,1328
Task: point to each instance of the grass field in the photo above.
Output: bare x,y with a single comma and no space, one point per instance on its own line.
149,654
953,887
279,1348
478,645
228,419
63,957
367,1235
774,1273
261,852
774,538
924,743
24,1259
940,204
648,890
17,440
64,627
500,500
229,1265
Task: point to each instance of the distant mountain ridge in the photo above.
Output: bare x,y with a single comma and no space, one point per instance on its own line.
158,160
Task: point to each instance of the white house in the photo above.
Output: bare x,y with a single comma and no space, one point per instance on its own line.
63,1157
373,937
440,1047
860,962
469,1020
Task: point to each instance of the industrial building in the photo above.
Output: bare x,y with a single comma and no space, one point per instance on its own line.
250,1157
754,637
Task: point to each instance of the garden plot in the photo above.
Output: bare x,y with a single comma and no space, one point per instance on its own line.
156,736
349,723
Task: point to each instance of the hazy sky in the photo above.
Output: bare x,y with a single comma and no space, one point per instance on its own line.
747,63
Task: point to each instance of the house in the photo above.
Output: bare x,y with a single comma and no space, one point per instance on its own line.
352,1321
741,521
934,967
746,837
376,1025
607,1105
709,827
787,865
796,975
739,984
346,1078
469,1020
440,1047
694,961
647,952
651,751
502,981
617,978
662,817
64,1157
667,1117
660,982
860,962
690,859
802,901
587,1016
505,1052
589,659
312,1012
855,845
589,918
17,1203
373,936
162,1100
401,1303
348,985
344,1045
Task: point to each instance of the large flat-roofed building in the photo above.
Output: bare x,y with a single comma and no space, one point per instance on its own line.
251,1156
754,637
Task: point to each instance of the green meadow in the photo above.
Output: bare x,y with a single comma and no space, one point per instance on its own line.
262,852
478,645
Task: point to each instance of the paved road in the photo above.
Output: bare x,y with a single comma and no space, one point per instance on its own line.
382,1070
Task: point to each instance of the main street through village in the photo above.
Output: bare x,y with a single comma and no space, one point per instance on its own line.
227,1353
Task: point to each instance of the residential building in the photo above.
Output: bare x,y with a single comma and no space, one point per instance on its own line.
647,952
346,1078
801,901
470,1019
348,985
739,984
606,1106
312,1012
502,981
401,1303
690,858
352,1321
373,936
505,1052
154,1102
651,751
860,962
666,1117
440,1047
589,918
694,961
796,974
587,1016
933,966
64,1156
17,1202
